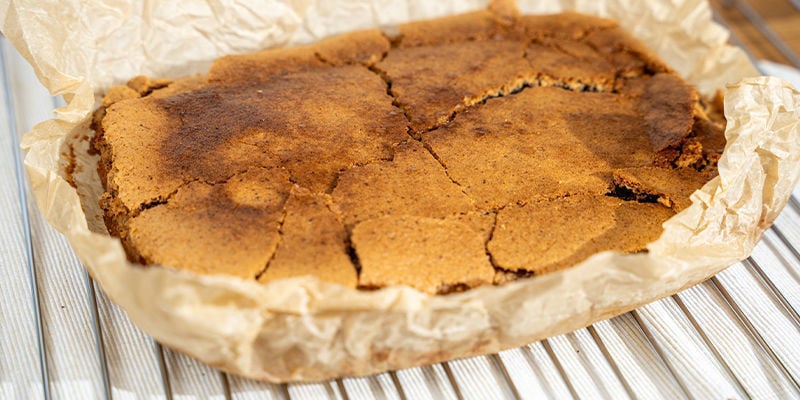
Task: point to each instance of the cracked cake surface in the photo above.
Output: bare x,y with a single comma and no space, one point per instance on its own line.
464,151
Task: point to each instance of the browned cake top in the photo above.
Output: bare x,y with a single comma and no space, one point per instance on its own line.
230,226
459,152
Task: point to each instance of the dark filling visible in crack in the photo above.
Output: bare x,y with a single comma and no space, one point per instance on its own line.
628,194
72,167
351,252
204,151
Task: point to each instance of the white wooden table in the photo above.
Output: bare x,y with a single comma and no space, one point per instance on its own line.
734,336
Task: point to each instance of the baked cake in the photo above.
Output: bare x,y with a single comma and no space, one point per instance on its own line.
451,153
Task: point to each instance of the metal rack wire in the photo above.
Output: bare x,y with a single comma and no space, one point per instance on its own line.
734,336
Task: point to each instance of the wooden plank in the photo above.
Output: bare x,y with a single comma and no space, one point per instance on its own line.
779,15
20,372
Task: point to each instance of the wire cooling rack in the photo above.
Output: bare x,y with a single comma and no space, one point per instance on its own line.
735,336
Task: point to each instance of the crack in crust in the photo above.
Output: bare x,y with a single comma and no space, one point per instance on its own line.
282,219
541,80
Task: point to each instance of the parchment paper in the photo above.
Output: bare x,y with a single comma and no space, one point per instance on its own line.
303,329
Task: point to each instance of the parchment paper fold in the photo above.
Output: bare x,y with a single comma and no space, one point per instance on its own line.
302,329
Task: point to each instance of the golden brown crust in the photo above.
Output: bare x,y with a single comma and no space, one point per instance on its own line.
313,242
670,187
475,26
550,235
228,228
432,248
667,104
575,63
630,57
362,47
260,66
540,144
144,85
567,25
213,132
393,188
428,81
468,150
